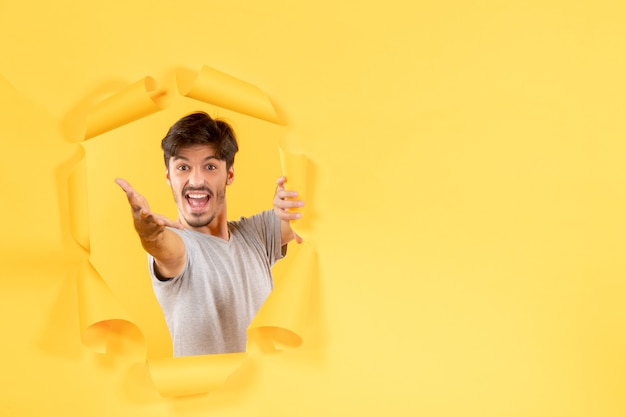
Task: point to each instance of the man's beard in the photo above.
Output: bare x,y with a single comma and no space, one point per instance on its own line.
195,219
199,222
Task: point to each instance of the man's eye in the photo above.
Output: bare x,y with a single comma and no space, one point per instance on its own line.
183,168
211,167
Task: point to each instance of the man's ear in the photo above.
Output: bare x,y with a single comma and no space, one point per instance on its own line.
230,176
167,177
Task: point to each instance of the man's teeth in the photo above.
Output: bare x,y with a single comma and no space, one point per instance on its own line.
196,195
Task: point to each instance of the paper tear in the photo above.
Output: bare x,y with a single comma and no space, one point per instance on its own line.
105,326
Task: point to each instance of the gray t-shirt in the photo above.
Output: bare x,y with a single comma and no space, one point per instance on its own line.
209,306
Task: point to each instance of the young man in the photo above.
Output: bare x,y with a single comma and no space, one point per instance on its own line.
210,275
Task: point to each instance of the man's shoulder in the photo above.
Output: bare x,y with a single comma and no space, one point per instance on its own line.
263,217
264,223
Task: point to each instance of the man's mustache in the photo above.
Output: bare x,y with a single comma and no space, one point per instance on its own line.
188,190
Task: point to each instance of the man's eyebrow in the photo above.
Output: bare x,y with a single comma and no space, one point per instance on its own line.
177,157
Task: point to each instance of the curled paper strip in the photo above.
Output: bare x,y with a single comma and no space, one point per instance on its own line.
281,321
105,326
218,88
191,375
132,103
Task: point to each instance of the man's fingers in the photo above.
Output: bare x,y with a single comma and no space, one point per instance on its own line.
289,215
159,220
128,189
146,215
121,182
287,202
133,196
292,204
124,185
286,194
175,225
147,223
137,201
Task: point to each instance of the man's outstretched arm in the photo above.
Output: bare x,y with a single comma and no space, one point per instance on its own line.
163,244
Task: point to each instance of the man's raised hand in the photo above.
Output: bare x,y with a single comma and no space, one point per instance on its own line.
284,204
148,224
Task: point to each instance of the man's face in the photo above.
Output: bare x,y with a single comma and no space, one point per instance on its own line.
198,180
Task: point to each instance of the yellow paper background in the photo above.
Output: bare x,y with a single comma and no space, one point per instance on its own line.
468,198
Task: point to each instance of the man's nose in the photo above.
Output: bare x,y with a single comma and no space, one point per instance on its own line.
196,179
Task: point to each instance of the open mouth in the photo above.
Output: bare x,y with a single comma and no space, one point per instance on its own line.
197,200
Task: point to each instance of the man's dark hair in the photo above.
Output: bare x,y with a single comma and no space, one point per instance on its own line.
200,129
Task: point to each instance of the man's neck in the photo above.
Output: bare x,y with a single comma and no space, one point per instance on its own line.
218,227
